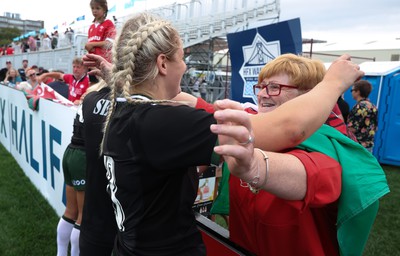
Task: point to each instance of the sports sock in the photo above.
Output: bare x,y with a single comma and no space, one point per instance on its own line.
64,229
75,240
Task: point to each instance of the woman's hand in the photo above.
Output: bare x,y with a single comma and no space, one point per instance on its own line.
100,66
235,137
343,72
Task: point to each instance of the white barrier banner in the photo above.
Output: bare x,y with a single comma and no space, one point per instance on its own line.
37,140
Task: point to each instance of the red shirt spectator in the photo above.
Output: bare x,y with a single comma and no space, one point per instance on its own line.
77,86
10,50
78,81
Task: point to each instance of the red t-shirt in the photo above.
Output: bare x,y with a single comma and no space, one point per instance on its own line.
10,51
267,225
100,33
76,88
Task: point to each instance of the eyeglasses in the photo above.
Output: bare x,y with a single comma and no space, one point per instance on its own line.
33,74
272,89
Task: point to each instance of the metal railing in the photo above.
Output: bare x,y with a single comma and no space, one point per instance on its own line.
200,20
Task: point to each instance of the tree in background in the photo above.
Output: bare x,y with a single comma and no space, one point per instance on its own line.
8,34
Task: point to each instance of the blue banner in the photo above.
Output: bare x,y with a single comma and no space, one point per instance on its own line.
80,18
112,9
129,4
250,50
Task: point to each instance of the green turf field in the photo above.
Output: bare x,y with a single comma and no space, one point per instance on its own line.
27,221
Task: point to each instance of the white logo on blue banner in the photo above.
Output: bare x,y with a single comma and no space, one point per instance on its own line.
255,56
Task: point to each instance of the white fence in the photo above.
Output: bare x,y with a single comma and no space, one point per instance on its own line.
57,59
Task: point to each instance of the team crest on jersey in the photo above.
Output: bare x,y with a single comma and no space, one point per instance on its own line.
255,56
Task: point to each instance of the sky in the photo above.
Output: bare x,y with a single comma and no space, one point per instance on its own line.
342,20
330,20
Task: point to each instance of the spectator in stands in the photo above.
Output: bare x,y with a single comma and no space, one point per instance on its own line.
46,42
38,42
102,32
10,50
17,47
69,34
31,82
3,71
36,68
22,70
24,46
12,78
32,44
54,40
78,81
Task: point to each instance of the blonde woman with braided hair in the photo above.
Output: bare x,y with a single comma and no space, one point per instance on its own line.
151,143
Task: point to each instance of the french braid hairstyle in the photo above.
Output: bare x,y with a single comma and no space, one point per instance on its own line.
135,51
103,4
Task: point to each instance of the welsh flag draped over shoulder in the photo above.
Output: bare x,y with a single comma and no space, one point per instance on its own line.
363,184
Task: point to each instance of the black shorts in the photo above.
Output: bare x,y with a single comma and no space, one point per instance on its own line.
89,248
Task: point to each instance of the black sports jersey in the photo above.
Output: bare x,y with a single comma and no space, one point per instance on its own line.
77,139
98,221
149,149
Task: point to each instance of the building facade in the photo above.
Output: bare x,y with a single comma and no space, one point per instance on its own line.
13,20
379,50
